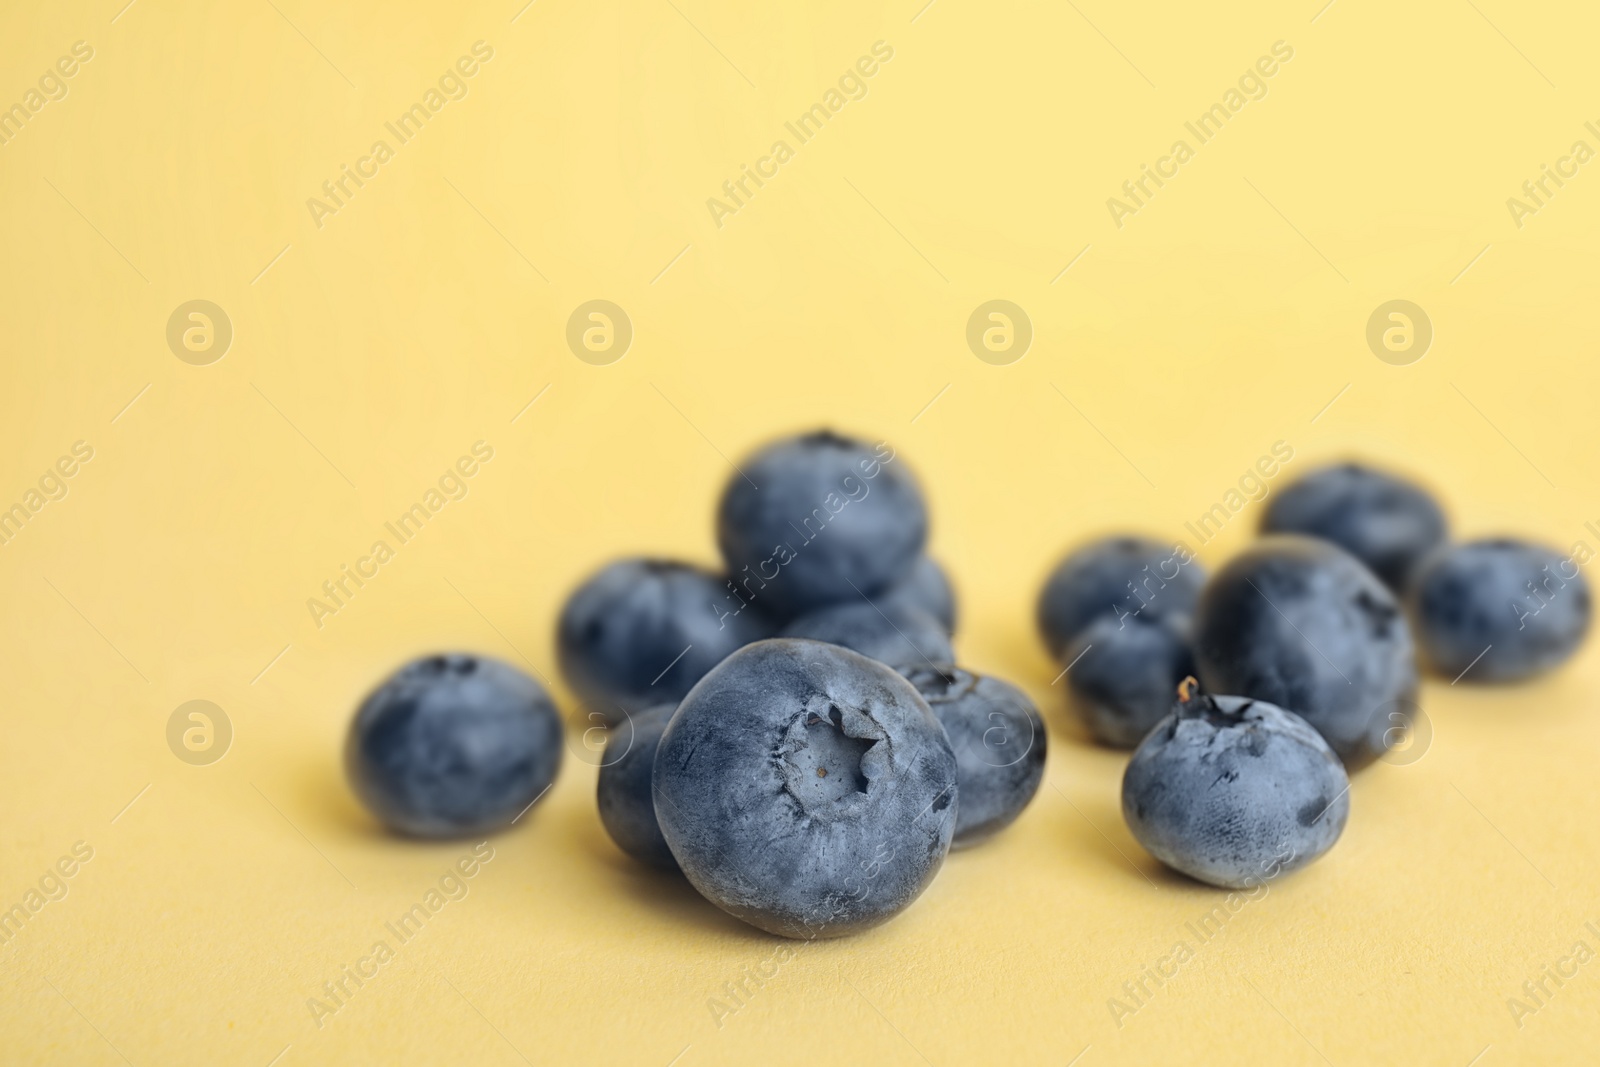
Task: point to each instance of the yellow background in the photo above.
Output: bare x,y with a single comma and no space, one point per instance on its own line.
424,316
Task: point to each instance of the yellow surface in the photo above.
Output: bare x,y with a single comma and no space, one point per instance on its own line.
370,352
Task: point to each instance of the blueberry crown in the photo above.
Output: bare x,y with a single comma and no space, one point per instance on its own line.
1193,704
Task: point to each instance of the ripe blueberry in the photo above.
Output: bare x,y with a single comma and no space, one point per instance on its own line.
1504,608
1234,792
806,789
999,742
1123,672
928,588
833,519
1300,623
889,633
627,809
1120,577
453,745
642,631
1386,523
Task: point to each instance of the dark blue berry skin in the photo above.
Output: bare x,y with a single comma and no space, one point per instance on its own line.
1094,580
627,808
928,588
453,746
999,742
1528,605
834,519
1235,792
806,789
623,633
1123,674
1300,623
889,633
1386,523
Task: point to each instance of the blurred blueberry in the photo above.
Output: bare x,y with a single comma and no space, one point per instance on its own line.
1302,624
806,789
833,519
1523,608
889,633
999,742
1124,673
627,808
1120,577
1234,792
928,588
1386,523
640,632
453,745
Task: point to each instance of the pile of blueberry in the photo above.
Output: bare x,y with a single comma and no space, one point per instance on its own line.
793,734
1310,632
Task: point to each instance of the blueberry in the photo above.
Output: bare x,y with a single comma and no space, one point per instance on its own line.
999,742
1123,672
1116,576
640,632
833,519
1234,792
889,633
1302,624
1504,608
453,745
806,789
1386,523
928,588
627,809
